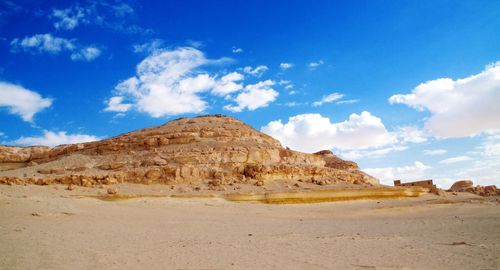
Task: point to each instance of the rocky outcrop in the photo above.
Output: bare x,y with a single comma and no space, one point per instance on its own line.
14,154
468,186
332,161
461,185
206,149
484,191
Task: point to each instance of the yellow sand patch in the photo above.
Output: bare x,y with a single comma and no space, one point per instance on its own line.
311,196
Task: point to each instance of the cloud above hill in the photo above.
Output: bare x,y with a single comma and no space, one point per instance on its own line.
50,138
314,132
176,81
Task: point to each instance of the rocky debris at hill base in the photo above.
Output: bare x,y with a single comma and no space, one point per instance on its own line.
468,186
491,190
214,150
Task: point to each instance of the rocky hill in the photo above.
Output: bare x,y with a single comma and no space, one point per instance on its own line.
212,150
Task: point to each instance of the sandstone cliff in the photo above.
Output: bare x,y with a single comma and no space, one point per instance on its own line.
214,150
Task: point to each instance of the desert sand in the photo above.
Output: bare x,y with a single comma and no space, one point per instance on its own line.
49,227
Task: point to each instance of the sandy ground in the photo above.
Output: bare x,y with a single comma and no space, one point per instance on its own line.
47,227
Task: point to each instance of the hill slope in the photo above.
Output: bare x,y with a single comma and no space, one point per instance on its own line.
215,150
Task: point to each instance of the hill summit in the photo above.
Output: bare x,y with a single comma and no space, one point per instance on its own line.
213,150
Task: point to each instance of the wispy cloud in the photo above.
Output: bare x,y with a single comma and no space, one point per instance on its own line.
434,152
46,43
314,65
86,54
70,18
328,99
42,43
285,66
149,47
347,101
257,71
453,160
236,50
114,16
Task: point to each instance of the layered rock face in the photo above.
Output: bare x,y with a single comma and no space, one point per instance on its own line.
214,150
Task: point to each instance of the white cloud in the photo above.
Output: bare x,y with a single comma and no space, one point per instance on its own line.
328,99
172,82
285,66
46,43
87,54
377,153
484,169
115,104
347,101
313,132
257,72
434,152
411,134
227,84
21,101
314,65
122,9
167,83
69,18
237,50
292,104
43,43
491,148
101,13
459,108
151,46
287,84
51,138
387,175
254,96
455,160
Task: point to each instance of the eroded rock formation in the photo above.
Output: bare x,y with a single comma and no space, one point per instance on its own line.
468,186
214,150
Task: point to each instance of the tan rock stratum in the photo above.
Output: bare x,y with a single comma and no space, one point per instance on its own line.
213,150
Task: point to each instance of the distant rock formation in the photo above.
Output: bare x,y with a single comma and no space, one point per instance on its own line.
468,186
213,149
461,185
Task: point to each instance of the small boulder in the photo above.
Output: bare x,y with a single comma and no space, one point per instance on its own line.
215,183
57,171
44,171
112,191
259,183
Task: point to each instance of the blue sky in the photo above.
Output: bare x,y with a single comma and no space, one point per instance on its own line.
408,89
